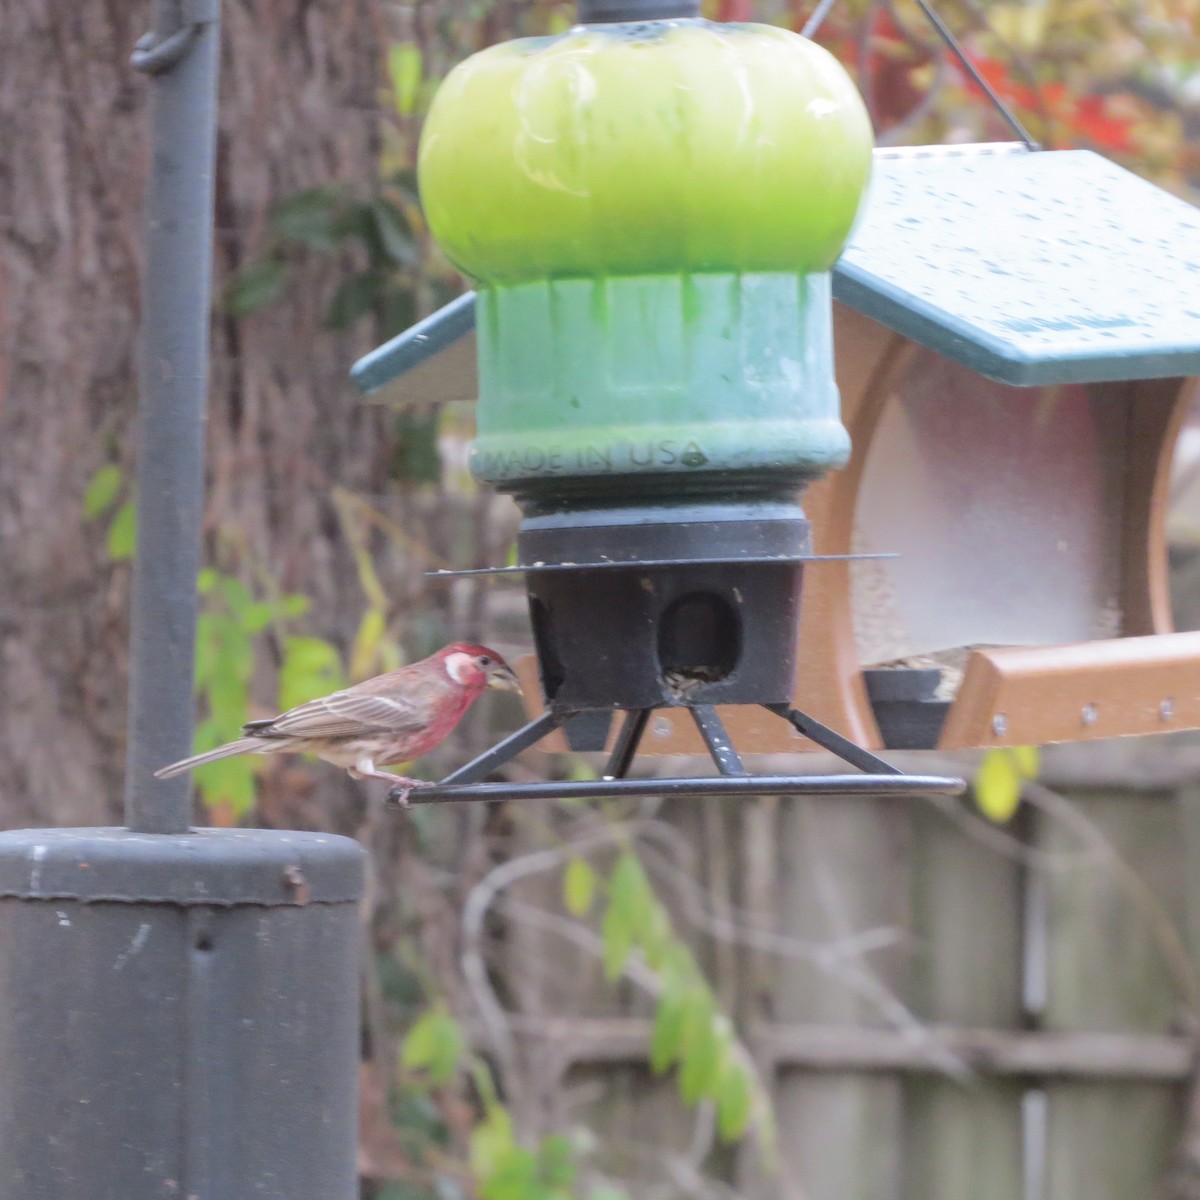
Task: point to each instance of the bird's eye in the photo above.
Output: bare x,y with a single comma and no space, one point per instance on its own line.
484,661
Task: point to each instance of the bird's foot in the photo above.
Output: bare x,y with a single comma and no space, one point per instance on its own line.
402,788
401,785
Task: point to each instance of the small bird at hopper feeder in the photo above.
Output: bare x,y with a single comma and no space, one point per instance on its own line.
392,718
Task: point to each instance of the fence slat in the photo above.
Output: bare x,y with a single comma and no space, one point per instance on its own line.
963,1138
843,871
1112,965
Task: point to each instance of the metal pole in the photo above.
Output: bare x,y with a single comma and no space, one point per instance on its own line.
178,1015
181,56
178,1008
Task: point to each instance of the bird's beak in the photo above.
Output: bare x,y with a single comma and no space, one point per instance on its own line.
503,679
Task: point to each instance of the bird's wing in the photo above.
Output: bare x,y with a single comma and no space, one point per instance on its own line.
346,714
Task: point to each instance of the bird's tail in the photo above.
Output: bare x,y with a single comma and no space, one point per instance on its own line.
246,745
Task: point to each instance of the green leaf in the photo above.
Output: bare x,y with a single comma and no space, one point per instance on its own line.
420,1046
207,736
397,305
435,1044
311,668
310,655
255,287
415,457
492,1141
629,890
309,217
998,786
122,533
354,298
206,647
402,1189
699,1011
667,1040
580,771
294,605
237,594
233,655
655,934
228,781
735,1100
206,581
556,1161
102,491
617,936
701,1065
515,1178
257,616
678,969
365,650
395,236
354,221
226,692
405,70
1027,760
579,887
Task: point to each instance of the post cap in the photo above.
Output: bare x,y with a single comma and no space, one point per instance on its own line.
604,12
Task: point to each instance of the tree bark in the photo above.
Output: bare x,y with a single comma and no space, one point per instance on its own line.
299,108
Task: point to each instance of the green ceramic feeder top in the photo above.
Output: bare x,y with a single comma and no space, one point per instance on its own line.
651,209
649,148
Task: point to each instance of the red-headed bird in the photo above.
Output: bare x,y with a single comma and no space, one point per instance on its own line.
389,719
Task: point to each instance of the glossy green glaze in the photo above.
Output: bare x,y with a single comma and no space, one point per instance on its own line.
652,211
675,376
667,146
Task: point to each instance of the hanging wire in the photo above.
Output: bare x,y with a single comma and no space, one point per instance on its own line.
817,19
943,31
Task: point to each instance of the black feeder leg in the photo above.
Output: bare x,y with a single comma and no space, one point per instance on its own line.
498,755
628,741
716,738
831,740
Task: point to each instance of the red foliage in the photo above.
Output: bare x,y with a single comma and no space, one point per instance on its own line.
1086,119
892,59
735,10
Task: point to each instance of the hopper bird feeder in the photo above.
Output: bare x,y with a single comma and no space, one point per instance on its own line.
654,213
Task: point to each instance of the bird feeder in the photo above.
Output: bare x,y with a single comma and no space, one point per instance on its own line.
654,213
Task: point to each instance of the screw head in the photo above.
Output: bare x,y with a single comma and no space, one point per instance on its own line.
1089,714
999,724
1166,709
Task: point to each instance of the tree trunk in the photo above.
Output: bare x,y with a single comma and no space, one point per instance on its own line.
299,108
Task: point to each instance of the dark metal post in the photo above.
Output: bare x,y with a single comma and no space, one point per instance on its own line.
178,1008
603,12
178,1015
181,56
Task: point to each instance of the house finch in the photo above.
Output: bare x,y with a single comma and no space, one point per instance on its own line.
391,718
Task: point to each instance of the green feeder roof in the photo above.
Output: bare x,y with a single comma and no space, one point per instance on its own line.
1030,267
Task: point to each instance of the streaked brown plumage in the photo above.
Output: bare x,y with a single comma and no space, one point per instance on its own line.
392,718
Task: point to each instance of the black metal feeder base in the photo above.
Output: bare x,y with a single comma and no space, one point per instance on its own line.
652,605
647,605
879,778
667,604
